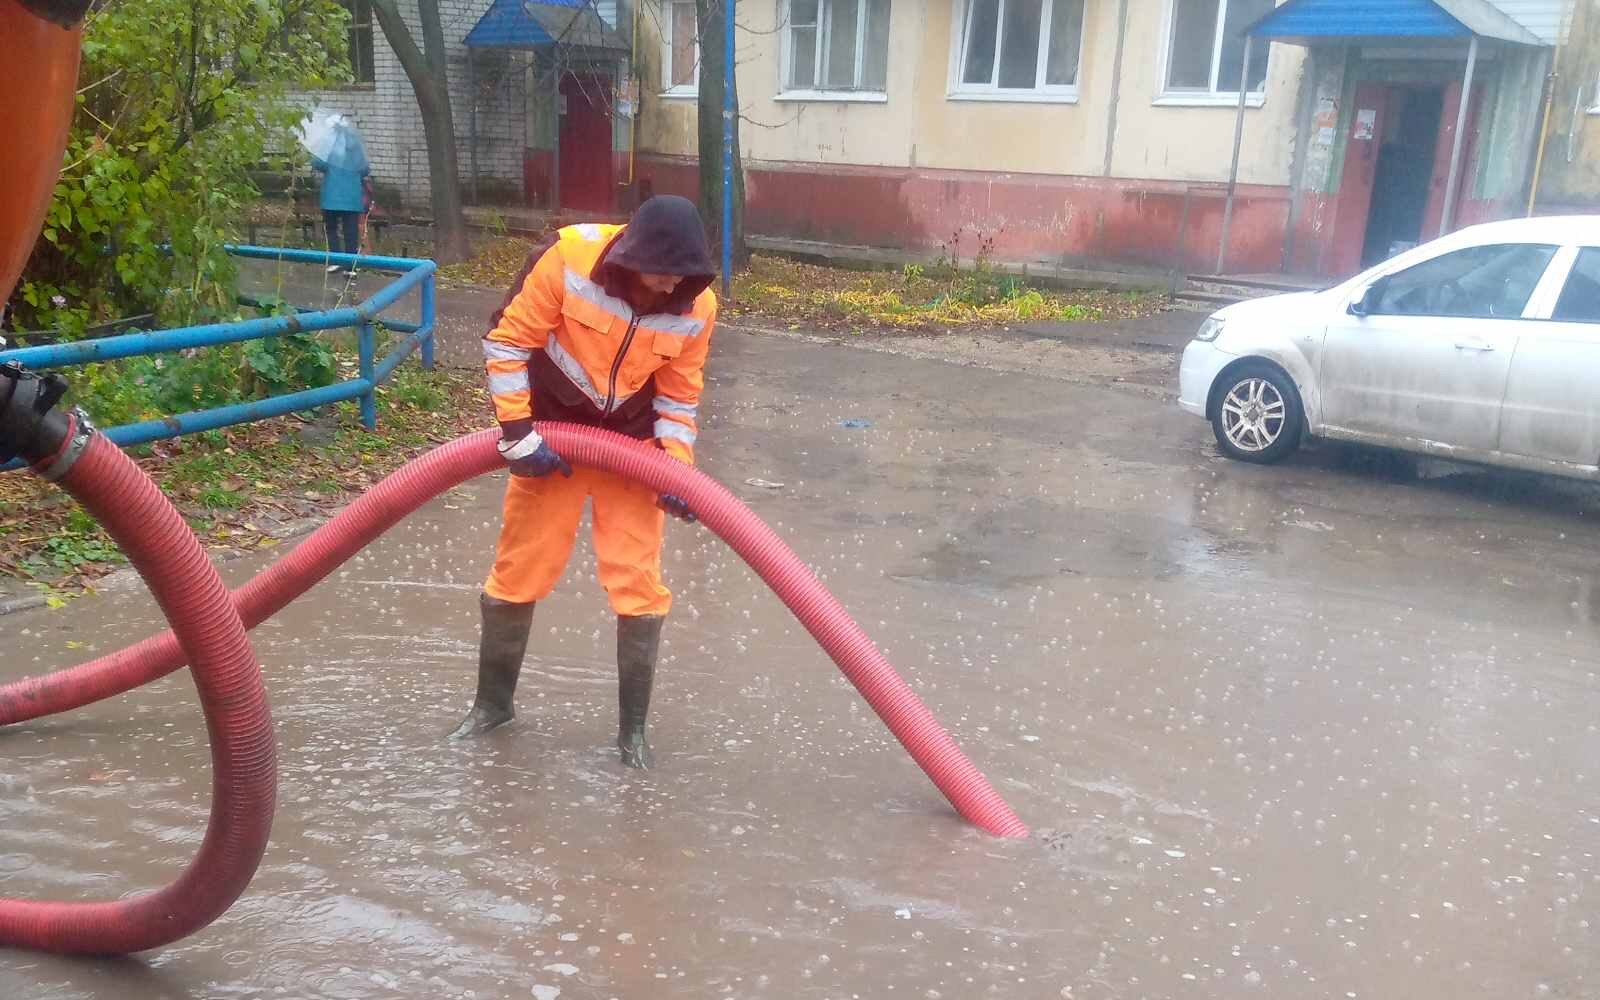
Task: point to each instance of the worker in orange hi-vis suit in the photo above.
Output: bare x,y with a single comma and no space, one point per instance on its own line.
609,326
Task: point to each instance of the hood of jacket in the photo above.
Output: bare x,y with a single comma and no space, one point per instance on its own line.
665,236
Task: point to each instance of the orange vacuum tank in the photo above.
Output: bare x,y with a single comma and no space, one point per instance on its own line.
38,77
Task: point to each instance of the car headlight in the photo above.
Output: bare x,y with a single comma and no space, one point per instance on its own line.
1210,330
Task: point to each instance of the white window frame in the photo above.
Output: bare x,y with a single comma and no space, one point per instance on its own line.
788,92
1167,97
686,90
1041,93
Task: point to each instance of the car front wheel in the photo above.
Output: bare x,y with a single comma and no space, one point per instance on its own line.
1257,416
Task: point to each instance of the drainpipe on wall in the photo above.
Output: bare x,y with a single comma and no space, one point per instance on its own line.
1549,104
1238,143
1116,85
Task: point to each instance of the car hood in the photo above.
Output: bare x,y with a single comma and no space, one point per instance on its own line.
1300,305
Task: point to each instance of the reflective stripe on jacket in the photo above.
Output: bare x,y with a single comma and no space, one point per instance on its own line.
564,349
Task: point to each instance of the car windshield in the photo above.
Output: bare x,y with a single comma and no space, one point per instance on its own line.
1493,281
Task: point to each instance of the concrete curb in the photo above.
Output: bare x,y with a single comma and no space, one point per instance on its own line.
16,605
1142,346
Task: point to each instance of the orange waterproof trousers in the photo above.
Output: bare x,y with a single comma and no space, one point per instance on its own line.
541,525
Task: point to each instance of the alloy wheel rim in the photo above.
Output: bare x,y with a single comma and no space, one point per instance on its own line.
1253,415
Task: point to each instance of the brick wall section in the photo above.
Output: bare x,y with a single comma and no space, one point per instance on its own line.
391,125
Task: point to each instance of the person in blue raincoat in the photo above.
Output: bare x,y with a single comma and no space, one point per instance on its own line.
344,173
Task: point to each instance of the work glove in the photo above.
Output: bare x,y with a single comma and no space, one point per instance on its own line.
531,457
677,507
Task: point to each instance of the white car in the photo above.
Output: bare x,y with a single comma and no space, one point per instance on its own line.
1482,346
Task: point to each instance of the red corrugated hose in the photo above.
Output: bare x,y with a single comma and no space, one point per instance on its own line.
244,768
194,600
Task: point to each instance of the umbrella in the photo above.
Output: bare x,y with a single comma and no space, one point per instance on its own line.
333,139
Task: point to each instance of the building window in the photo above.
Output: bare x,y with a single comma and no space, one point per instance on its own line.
360,40
1019,48
680,48
1205,48
840,47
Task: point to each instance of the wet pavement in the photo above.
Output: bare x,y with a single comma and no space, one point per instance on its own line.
1324,730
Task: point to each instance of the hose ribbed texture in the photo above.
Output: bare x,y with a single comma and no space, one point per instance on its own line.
449,466
244,767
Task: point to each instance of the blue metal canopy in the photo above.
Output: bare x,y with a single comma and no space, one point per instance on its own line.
1328,19
524,24
507,24
1310,21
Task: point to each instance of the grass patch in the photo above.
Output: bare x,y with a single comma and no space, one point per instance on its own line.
215,497
919,298
495,263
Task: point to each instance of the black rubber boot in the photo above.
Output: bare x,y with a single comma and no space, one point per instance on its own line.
638,640
504,644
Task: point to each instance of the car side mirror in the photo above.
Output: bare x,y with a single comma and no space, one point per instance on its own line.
1367,304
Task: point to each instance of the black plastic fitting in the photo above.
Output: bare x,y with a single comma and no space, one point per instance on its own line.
66,13
30,425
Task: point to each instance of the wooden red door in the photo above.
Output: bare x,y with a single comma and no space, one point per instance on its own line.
586,163
1355,183
1441,159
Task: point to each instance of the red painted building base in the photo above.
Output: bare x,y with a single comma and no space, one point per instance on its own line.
1026,217
538,184
1314,249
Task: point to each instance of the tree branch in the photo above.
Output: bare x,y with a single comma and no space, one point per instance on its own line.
103,80
398,34
194,58
186,116
427,71
433,39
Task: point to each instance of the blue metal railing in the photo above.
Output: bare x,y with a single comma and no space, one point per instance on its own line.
416,274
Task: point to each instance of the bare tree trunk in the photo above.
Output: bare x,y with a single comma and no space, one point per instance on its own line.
430,81
711,114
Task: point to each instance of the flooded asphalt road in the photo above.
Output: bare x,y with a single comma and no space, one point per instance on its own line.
1324,730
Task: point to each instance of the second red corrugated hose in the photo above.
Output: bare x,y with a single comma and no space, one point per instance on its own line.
244,769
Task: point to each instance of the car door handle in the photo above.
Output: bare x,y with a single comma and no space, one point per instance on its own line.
1474,345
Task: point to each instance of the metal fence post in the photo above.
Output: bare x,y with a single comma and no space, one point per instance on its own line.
369,399
425,321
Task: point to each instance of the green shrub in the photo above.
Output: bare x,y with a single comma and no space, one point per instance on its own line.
177,103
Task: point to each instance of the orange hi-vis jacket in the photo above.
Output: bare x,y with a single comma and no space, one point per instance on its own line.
564,349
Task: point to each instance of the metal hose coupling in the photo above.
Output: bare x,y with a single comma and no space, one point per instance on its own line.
30,425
